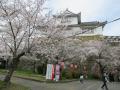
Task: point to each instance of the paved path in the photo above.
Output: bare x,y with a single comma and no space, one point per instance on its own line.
76,85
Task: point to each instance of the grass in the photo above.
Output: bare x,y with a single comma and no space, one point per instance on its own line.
2,71
12,87
25,74
29,75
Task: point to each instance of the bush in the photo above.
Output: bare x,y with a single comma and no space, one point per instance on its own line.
70,73
76,74
39,70
63,73
66,74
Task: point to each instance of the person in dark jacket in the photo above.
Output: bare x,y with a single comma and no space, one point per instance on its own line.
105,80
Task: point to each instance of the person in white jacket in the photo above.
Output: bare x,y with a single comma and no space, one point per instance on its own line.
81,78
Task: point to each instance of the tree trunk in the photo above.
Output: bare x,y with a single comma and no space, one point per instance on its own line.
45,67
13,66
9,75
101,69
34,67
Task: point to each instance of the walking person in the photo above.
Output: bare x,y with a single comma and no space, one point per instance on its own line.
105,80
81,78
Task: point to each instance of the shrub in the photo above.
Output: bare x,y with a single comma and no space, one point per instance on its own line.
39,70
63,73
70,73
76,74
66,74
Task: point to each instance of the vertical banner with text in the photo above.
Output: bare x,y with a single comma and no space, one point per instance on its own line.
49,71
57,72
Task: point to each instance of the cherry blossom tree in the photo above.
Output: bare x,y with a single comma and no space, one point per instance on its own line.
20,18
106,56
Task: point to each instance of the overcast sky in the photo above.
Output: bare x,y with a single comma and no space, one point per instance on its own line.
92,10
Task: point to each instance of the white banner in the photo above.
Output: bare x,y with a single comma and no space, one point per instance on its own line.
49,71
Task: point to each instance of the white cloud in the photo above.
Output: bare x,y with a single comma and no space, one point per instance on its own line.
93,10
89,8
